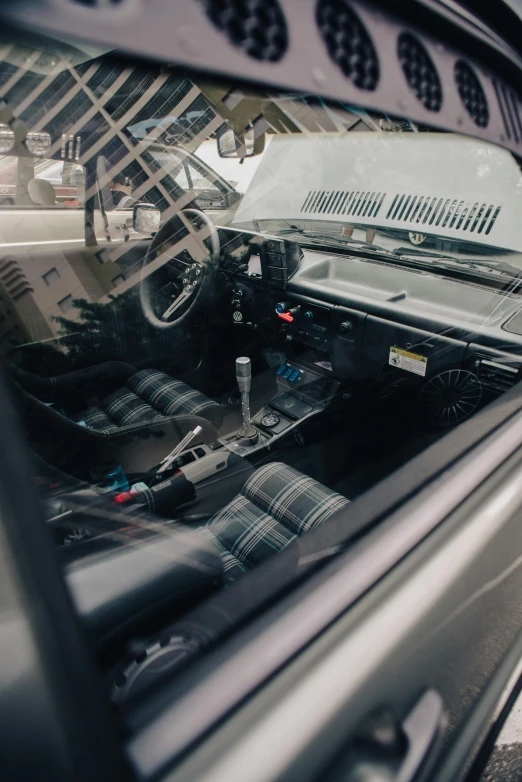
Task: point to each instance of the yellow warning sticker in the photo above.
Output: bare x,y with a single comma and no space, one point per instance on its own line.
410,362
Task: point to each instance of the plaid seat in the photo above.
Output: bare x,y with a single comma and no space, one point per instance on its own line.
171,397
276,504
148,396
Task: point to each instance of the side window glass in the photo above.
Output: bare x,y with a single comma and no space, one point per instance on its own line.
208,194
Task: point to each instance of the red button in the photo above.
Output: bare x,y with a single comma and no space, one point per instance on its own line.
125,496
286,317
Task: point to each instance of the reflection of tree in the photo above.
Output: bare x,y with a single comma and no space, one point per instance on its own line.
39,358
111,331
42,358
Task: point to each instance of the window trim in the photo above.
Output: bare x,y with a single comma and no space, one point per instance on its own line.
46,275
65,298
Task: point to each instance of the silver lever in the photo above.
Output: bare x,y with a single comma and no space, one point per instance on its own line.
167,461
244,379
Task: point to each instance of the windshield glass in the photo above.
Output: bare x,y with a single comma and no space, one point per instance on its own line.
396,189
226,313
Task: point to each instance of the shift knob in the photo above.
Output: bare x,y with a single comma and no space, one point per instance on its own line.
243,373
244,378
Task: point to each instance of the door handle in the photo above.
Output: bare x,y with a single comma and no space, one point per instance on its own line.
421,728
386,749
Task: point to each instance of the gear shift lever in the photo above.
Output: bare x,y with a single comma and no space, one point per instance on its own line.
244,378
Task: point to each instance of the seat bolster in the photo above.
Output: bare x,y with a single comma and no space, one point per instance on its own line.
173,397
276,504
125,408
117,590
156,388
247,533
294,499
99,379
232,567
96,419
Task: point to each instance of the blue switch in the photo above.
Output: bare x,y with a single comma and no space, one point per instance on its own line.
281,369
294,377
288,373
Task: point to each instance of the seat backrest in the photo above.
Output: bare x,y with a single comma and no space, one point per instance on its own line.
276,505
80,451
41,192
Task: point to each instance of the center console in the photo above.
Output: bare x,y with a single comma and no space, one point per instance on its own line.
303,390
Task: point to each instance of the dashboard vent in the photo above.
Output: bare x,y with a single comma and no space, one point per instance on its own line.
258,27
343,202
501,377
348,43
445,212
471,94
420,72
509,105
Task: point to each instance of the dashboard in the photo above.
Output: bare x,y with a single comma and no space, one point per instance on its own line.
362,317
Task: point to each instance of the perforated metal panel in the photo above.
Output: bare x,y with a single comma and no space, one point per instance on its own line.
472,94
341,49
258,27
420,72
348,43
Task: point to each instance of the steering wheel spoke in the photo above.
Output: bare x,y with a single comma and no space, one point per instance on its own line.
178,303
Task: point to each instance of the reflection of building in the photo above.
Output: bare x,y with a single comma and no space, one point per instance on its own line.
37,289
115,111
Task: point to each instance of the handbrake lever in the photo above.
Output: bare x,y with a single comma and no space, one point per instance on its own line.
167,461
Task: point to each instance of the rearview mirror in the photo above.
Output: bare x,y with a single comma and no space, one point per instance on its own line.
240,145
145,218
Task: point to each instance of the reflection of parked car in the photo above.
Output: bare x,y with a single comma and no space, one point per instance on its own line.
61,184
64,176
211,192
34,187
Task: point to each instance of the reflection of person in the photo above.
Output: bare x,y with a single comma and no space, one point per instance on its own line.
121,189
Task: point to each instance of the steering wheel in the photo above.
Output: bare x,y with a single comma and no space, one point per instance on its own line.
189,278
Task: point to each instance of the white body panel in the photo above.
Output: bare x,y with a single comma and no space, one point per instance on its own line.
58,228
63,229
433,183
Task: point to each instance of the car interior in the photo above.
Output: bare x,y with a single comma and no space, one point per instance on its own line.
205,400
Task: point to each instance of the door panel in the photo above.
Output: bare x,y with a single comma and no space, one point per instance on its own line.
444,619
